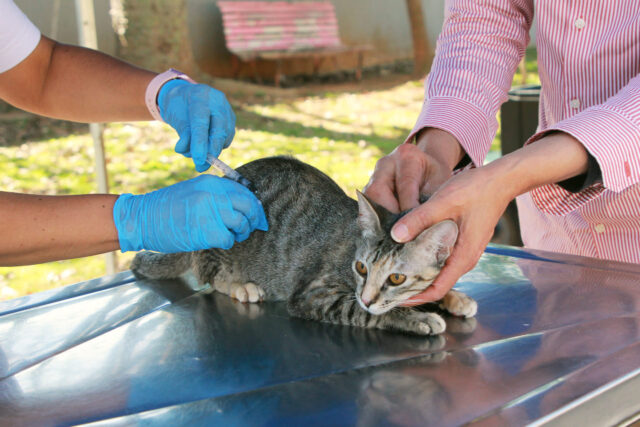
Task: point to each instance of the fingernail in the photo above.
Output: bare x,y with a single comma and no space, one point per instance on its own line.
400,233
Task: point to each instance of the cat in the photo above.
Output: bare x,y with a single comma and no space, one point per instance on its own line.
330,257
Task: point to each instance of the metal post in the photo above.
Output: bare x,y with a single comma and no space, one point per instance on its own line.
88,38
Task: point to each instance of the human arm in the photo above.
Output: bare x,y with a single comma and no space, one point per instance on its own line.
78,84
201,213
84,85
37,228
469,79
477,54
610,132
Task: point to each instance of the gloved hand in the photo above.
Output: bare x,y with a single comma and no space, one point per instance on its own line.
202,117
201,213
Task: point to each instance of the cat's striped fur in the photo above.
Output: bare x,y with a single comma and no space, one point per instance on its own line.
308,257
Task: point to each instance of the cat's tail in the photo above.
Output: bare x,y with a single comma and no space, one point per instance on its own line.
156,265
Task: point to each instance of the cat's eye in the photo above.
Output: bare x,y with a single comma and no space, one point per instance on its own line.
361,268
397,279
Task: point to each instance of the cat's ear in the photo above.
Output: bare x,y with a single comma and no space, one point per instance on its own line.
439,238
368,218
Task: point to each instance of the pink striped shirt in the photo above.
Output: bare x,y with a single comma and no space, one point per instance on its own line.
589,65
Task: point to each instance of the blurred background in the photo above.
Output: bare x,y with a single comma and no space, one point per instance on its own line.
321,114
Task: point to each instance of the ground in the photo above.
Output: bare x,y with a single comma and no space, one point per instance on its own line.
341,128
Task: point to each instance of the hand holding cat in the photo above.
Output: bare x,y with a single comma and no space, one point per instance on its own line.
200,213
426,168
476,198
202,117
413,170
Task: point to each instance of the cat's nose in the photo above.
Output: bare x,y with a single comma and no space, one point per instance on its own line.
365,301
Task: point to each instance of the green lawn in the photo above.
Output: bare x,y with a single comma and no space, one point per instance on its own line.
343,133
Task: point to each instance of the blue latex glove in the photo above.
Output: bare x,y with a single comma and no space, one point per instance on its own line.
202,117
201,213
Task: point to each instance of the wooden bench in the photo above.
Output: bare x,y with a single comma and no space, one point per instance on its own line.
278,31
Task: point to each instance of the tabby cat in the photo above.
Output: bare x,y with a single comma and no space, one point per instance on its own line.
329,256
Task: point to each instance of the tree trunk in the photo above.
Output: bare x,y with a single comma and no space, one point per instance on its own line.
422,50
157,36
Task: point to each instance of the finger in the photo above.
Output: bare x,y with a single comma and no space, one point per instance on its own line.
409,176
220,238
240,227
202,167
381,185
217,137
461,261
230,127
416,221
224,240
199,137
235,221
429,295
217,234
245,202
438,289
182,146
231,133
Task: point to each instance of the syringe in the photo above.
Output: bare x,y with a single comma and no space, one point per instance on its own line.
229,172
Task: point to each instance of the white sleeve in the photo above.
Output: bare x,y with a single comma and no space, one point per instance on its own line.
18,35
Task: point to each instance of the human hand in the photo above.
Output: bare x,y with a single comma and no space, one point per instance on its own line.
202,117
201,213
474,199
413,170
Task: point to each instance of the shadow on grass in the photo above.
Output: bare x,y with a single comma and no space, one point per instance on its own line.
22,127
256,122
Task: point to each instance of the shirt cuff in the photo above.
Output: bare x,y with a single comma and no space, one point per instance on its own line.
612,140
462,119
566,196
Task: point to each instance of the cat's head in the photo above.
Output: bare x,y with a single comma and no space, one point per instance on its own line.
388,273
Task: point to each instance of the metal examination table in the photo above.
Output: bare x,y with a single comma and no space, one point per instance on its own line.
556,341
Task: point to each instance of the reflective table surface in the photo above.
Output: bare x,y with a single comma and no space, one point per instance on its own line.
556,341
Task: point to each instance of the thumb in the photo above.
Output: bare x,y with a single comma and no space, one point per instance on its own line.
416,221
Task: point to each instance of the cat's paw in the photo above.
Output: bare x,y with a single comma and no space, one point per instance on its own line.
459,304
419,323
433,322
248,292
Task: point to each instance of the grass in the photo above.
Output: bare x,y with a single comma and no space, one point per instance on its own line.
342,133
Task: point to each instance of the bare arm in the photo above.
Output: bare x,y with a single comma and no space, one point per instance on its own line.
78,84
37,229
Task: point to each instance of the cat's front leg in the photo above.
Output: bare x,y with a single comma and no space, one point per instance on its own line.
328,301
459,304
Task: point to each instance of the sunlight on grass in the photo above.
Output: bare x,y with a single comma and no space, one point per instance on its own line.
343,134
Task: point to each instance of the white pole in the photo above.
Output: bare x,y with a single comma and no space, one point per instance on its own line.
88,38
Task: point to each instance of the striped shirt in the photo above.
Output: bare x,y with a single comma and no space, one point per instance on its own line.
589,65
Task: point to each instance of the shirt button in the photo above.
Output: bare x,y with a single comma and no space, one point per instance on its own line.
579,23
575,103
600,228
